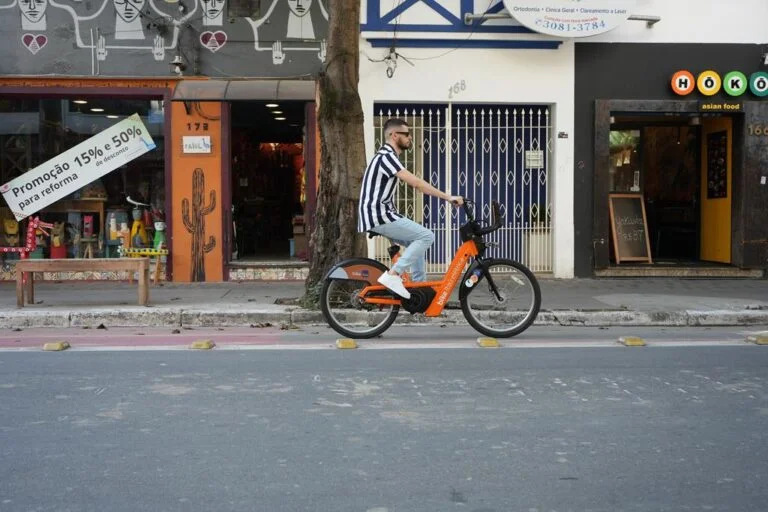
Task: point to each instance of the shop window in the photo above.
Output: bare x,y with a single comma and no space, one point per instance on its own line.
32,131
625,161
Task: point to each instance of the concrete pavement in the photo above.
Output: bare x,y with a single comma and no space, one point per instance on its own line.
565,302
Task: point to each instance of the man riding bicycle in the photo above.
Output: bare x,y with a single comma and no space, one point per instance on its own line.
377,212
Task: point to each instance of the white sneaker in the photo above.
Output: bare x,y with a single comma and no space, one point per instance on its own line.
395,284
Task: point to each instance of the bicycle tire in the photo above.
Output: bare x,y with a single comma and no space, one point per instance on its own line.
482,309
346,314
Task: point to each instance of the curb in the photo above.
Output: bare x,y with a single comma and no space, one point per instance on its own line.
26,319
232,318
127,317
235,316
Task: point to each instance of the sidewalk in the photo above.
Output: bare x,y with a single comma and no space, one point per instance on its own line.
576,302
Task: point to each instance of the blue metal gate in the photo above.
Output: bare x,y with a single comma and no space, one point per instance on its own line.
486,153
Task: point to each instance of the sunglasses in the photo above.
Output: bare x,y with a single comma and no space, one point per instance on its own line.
407,134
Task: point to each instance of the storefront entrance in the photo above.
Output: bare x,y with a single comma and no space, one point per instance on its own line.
687,166
268,180
681,166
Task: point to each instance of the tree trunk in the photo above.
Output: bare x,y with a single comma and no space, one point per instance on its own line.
342,147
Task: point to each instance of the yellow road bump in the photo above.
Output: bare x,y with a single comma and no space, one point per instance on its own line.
488,342
346,343
202,345
758,339
56,346
632,341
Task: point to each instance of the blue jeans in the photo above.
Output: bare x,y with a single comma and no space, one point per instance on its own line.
417,238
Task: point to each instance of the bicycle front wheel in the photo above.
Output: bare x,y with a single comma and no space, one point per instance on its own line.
344,310
500,298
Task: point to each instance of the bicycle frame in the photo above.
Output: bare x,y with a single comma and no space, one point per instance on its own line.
443,288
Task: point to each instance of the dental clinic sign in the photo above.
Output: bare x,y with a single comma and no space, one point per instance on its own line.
77,167
570,18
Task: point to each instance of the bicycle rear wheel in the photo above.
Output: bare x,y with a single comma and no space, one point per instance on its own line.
509,313
342,307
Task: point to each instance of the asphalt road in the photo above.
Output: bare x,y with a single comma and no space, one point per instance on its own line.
528,429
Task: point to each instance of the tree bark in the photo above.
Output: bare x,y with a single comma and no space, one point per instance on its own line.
342,147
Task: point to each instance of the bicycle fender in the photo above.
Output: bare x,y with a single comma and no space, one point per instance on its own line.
358,269
471,278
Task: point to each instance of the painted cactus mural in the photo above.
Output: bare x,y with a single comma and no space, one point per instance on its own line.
195,224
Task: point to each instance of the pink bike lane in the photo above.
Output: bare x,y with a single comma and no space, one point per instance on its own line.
139,337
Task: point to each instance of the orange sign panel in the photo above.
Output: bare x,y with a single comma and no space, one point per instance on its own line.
683,83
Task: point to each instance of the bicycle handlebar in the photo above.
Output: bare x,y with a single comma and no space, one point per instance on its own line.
495,221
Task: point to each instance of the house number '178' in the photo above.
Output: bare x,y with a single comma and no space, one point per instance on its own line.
197,127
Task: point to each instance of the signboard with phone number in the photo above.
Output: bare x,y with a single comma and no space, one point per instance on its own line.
570,18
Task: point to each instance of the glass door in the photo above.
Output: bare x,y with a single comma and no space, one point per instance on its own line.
625,175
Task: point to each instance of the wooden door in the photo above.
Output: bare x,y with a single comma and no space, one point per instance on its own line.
716,189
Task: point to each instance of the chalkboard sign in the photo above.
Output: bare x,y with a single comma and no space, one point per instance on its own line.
629,227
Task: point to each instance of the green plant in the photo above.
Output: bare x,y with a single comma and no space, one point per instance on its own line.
622,139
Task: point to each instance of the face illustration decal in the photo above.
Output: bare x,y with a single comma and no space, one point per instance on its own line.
33,10
212,8
128,10
299,7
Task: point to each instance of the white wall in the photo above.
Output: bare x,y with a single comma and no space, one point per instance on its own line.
513,76
498,76
539,76
695,21
682,21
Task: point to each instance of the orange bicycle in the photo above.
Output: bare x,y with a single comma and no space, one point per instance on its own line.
499,297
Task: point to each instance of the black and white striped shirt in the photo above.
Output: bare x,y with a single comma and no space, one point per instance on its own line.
379,182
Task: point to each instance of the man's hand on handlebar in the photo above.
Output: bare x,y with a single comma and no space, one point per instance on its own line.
456,200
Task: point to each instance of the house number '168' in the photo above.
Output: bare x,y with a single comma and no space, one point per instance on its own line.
457,88
758,129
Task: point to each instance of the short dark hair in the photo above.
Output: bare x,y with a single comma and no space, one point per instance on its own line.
393,124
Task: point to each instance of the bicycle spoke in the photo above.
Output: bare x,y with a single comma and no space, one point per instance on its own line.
510,311
347,312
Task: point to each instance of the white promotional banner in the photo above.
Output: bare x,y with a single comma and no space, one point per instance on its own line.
77,167
570,18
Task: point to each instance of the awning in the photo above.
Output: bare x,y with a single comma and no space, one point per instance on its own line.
243,90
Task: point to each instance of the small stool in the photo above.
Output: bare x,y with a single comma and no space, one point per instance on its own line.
135,252
88,243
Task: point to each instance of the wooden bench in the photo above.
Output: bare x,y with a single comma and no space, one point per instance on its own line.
27,267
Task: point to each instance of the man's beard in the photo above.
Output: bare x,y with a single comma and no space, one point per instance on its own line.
404,147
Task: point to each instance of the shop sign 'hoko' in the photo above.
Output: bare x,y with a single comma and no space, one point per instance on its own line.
709,83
